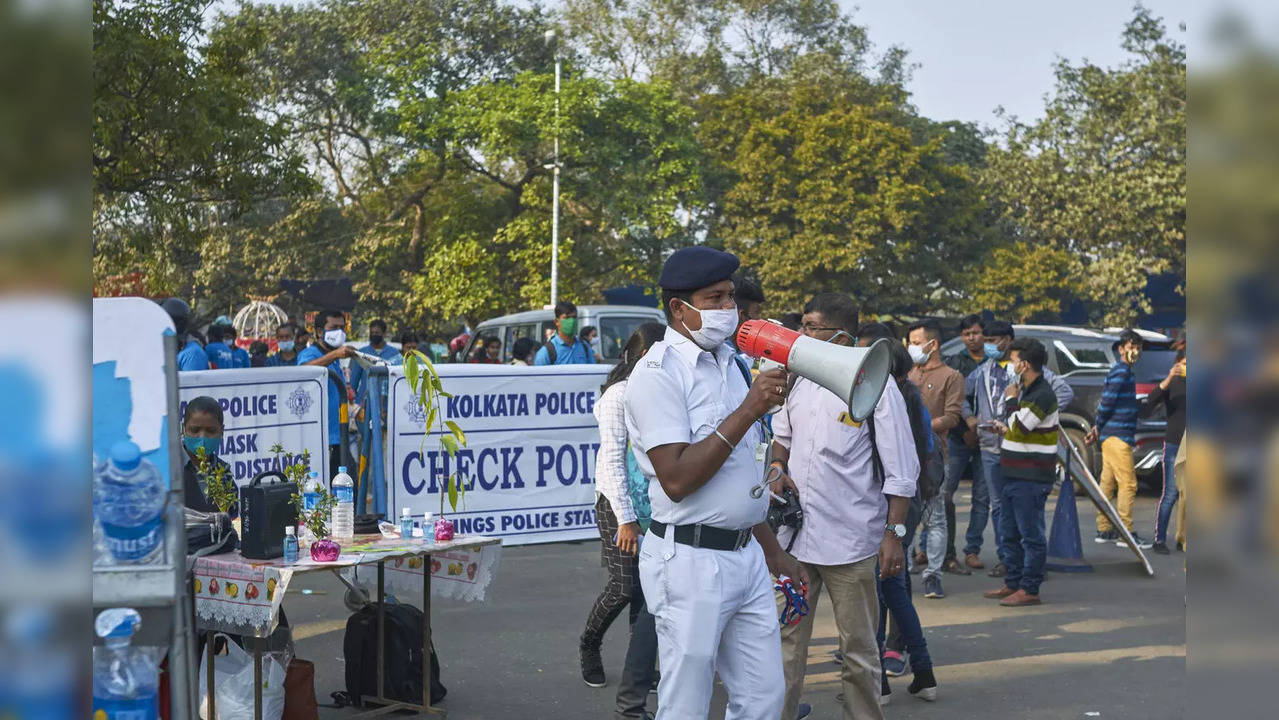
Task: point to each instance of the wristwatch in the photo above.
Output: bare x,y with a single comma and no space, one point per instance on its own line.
899,530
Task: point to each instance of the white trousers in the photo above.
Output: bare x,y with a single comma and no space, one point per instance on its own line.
715,612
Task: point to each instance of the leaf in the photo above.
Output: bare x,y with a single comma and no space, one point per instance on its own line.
411,370
430,419
457,431
453,483
450,444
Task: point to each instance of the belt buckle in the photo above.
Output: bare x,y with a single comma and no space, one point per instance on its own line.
697,535
743,537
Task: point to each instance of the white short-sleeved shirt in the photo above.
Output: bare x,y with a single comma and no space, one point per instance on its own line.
679,393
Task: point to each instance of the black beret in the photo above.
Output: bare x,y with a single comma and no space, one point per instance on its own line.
693,268
999,328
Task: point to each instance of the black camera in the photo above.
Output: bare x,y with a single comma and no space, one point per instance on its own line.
787,512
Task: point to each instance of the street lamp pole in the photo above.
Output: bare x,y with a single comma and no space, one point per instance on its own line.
555,182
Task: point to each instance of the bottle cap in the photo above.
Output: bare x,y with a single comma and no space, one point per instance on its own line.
288,530
427,516
126,455
341,468
404,512
315,473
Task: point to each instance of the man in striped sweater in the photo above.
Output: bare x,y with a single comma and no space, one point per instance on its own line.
1028,463
1116,427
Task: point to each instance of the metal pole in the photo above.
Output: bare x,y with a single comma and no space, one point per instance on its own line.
555,192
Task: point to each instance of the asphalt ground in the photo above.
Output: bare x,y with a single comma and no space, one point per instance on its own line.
1110,643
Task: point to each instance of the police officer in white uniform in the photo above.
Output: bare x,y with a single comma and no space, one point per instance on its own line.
705,562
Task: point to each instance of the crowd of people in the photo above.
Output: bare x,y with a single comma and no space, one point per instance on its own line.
686,429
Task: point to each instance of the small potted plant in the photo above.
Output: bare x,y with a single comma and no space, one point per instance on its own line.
218,485
426,385
316,520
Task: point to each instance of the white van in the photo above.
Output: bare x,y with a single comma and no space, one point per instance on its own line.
615,324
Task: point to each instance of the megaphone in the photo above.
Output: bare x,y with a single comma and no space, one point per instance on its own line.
856,375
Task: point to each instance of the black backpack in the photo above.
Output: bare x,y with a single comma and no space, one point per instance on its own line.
403,663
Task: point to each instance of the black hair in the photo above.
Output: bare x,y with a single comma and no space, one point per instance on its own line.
792,320
408,336
377,323
669,295
1131,336
492,340
747,290
914,401
875,331
999,328
970,320
290,325
524,347
322,318
257,347
902,363
203,404
586,331
1031,351
930,327
838,309
640,341
563,308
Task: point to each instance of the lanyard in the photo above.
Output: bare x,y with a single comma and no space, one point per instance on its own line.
796,600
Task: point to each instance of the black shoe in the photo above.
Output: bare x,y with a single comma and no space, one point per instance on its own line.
998,571
932,587
1161,549
592,666
924,686
1142,542
804,711
1105,537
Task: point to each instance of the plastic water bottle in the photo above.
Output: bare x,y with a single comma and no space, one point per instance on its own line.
126,681
290,545
428,528
343,522
129,503
311,492
406,524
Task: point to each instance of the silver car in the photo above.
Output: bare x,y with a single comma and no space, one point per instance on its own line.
615,324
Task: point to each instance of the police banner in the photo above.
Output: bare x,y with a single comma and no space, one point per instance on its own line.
529,463
262,407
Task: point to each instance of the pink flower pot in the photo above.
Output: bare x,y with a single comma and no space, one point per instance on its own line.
325,551
443,530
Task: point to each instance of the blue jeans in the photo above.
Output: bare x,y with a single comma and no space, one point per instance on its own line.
894,597
1024,547
1168,500
985,503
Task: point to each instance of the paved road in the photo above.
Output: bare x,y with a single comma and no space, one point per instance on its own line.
1111,642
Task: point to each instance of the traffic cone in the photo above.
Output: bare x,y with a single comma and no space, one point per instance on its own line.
1065,548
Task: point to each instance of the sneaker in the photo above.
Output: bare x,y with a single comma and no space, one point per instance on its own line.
1021,598
1161,549
1142,543
592,666
954,566
1105,537
973,562
894,664
998,571
932,588
804,711
924,686
1003,592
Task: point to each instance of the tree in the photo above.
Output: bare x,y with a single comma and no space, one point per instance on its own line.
1023,282
1103,175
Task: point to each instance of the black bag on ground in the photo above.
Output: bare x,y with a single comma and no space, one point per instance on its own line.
403,663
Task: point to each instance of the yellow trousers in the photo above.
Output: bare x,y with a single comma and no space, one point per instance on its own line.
1118,477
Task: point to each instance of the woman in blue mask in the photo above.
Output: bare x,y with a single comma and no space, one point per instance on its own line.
202,426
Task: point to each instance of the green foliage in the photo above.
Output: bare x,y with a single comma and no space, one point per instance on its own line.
218,485
1024,282
425,382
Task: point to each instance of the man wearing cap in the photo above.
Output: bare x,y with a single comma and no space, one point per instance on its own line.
705,561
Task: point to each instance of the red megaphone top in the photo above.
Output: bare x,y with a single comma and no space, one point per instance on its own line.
764,339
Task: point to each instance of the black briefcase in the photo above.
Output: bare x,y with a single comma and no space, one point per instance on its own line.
266,508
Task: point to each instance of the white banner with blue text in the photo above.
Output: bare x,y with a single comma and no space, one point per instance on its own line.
529,460
263,407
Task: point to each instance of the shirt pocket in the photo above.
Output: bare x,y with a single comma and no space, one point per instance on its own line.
702,422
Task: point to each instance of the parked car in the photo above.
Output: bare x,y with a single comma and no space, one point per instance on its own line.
614,322
1082,357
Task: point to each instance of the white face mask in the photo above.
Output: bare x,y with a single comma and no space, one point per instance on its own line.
335,338
917,354
717,326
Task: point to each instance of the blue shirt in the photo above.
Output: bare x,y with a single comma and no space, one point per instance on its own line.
220,355
240,358
579,353
277,361
335,395
193,357
387,353
1117,411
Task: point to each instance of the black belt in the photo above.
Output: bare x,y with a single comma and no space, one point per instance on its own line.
704,536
